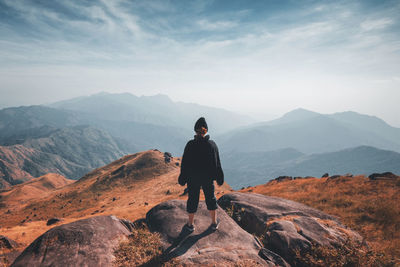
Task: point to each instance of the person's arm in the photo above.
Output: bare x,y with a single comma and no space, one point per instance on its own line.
182,179
219,173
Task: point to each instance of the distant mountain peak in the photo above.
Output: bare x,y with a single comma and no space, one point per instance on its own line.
159,98
102,93
299,114
301,111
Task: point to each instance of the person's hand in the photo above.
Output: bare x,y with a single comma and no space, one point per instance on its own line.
182,180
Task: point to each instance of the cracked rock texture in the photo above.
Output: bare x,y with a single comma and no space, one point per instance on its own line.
285,226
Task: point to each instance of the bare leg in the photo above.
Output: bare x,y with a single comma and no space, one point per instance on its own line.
213,215
191,219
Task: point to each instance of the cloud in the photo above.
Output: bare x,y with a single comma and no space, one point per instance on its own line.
205,24
376,24
252,50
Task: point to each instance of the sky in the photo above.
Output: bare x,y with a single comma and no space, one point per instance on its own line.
262,58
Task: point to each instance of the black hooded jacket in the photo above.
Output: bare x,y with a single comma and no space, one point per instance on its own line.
200,162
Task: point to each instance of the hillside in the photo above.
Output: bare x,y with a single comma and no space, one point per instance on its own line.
127,188
368,206
19,124
252,168
32,190
71,152
310,132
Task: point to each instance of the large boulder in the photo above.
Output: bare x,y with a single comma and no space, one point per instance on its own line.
8,250
87,242
227,246
286,226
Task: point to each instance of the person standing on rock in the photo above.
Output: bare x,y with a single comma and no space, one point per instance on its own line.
199,168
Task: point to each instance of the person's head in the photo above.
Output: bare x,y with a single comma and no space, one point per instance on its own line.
201,127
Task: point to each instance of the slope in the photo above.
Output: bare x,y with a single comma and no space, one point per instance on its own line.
33,189
157,110
71,152
369,206
127,188
310,132
251,168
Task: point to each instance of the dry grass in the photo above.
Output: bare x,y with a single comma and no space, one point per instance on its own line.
105,191
142,248
349,254
370,207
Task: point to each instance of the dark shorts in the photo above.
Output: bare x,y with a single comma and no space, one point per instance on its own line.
194,195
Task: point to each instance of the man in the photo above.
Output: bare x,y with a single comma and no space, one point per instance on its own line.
200,167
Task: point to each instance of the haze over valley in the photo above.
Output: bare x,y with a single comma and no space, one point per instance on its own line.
75,136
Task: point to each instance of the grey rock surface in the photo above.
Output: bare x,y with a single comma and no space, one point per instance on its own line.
87,242
285,226
7,243
227,246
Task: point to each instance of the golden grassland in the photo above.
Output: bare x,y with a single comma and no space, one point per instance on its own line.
371,207
105,191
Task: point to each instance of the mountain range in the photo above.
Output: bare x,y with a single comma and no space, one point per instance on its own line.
70,151
253,168
75,136
306,143
311,132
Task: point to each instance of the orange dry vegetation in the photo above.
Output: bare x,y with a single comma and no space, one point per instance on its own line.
370,207
127,188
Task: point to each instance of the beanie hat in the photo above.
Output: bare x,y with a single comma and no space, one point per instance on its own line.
200,123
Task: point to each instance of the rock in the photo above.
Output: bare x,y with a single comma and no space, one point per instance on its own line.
8,250
383,176
167,157
286,226
53,221
7,243
227,246
349,175
325,175
283,178
88,242
334,177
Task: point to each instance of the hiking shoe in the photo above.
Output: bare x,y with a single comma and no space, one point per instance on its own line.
189,228
214,226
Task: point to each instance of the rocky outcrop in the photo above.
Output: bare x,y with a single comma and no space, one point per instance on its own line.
286,226
167,157
9,250
227,246
283,178
52,221
88,242
383,176
7,243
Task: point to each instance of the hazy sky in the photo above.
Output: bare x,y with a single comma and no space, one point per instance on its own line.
249,56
